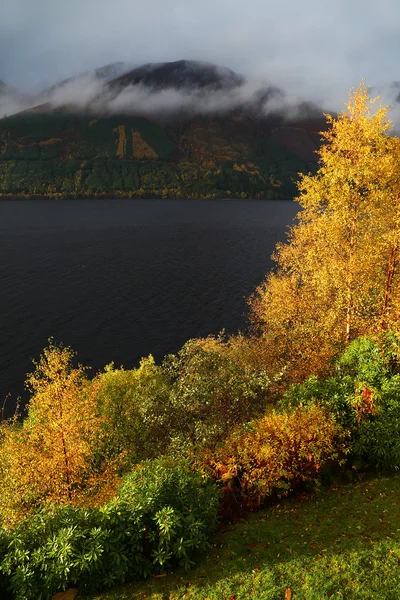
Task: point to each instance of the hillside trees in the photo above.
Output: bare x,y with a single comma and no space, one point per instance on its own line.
336,279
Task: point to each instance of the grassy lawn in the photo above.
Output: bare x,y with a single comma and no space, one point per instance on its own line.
344,543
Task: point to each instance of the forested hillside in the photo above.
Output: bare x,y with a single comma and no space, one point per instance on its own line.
60,154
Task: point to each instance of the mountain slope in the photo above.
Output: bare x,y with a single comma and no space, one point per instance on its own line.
238,152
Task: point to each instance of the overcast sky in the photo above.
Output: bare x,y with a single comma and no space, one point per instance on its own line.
318,47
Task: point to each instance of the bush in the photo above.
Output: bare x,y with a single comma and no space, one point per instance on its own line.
162,516
371,360
364,397
180,508
212,392
5,594
276,453
135,407
377,437
334,393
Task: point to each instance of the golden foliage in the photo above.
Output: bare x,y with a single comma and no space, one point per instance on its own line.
50,142
337,278
208,164
275,182
51,456
121,141
93,122
141,149
278,451
250,168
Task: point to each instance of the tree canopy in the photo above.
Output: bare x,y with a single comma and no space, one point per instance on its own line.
336,277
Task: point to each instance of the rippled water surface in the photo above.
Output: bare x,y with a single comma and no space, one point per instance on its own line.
119,279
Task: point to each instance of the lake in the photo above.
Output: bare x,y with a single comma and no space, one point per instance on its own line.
119,279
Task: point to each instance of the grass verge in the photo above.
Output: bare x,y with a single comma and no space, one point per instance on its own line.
343,543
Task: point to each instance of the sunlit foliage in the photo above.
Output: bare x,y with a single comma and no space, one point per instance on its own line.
336,278
52,456
135,411
276,453
212,392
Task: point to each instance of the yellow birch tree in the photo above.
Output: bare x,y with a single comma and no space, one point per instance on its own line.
51,456
336,277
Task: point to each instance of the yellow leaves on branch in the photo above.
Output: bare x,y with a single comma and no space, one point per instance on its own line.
51,456
337,277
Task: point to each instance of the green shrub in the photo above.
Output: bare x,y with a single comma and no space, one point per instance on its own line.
212,392
364,397
334,393
374,366
377,437
276,453
180,507
371,360
5,594
135,405
162,516
193,401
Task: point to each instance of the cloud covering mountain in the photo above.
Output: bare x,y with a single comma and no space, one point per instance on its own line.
316,48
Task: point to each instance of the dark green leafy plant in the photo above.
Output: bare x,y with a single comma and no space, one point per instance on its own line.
182,504
163,515
334,393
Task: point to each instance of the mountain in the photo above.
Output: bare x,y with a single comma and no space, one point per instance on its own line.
179,75
219,140
13,100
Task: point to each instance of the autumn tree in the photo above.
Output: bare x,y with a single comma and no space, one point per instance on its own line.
52,455
336,277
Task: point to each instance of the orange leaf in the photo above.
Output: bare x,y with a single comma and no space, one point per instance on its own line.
288,594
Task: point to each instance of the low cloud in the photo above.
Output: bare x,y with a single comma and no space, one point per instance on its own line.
12,101
316,49
253,96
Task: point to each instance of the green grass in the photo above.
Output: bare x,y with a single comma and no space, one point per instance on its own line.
344,543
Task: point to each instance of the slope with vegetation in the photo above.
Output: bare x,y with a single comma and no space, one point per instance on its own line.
69,155
126,475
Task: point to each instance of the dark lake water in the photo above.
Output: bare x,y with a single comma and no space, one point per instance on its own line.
119,279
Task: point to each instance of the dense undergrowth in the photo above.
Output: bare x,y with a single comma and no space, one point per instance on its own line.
162,512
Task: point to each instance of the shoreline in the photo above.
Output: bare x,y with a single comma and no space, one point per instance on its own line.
127,197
